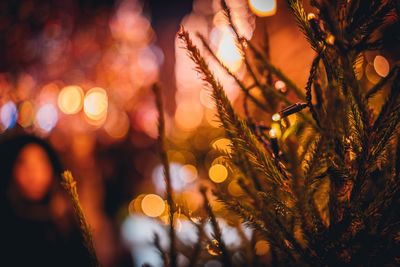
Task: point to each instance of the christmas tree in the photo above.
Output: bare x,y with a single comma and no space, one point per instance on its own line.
320,191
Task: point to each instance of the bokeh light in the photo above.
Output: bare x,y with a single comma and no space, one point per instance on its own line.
262,247
188,115
26,114
227,49
188,173
263,8
153,205
96,104
117,124
47,117
70,99
8,115
381,66
218,173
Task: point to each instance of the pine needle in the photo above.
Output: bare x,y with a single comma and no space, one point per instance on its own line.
69,184
226,258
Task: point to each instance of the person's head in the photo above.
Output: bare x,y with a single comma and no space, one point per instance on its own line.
31,166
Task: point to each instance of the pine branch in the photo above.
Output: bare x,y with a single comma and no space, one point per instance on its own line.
245,90
236,129
301,18
167,174
156,242
377,87
69,184
267,64
309,84
225,257
241,41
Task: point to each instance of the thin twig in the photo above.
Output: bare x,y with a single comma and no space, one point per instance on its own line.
69,184
167,175
245,90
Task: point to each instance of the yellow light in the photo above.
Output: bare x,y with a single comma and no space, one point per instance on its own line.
218,173
311,16
227,51
263,8
70,99
26,114
276,117
272,133
381,66
275,130
153,205
96,104
330,39
262,247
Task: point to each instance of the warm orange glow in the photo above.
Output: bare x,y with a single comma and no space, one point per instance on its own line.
272,133
262,247
263,8
70,99
117,124
275,130
381,66
188,115
371,74
153,205
218,173
26,114
96,104
227,50
330,39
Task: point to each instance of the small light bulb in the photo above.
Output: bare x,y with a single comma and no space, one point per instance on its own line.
310,16
330,39
272,133
276,117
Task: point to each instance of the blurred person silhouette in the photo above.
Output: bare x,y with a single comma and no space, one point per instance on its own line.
37,223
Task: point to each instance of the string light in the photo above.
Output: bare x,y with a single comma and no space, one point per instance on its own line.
276,117
274,142
294,108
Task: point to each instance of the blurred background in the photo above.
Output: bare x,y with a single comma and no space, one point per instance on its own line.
78,74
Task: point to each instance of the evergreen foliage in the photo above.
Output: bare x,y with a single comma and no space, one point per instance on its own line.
329,197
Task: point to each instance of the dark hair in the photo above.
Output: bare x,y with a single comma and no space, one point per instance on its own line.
9,151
